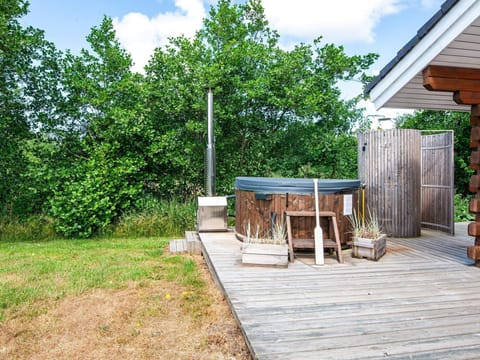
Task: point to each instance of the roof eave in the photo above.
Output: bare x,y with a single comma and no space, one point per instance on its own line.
419,52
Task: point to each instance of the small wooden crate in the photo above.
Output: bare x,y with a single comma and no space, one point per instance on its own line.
265,254
372,249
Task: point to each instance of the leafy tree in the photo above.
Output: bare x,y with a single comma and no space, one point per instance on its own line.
86,139
269,102
311,152
175,117
101,134
447,120
28,69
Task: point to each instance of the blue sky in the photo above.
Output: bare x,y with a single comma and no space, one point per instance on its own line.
361,26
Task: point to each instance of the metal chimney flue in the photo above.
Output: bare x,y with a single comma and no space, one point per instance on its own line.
210,153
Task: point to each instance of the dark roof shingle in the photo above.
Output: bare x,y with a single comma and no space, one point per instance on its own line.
445,8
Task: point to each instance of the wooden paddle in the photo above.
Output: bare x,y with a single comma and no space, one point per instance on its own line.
319,259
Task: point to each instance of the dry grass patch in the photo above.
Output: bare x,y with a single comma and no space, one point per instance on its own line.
172,311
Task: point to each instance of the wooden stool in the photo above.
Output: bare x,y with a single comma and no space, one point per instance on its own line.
310,243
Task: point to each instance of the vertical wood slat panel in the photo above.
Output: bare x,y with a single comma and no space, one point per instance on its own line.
389,166
438,181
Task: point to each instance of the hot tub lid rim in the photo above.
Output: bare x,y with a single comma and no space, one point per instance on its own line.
294,185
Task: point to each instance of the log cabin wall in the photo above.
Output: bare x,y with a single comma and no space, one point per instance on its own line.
473,251
464,83
257,209
389,166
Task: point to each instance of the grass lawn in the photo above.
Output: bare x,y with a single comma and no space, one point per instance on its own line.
118,297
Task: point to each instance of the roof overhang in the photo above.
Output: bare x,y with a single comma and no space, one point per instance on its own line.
450,38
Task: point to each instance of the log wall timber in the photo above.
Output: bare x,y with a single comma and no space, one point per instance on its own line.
473,252
466,97
465,84
451,79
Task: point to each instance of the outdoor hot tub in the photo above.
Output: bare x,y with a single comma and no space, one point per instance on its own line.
262,202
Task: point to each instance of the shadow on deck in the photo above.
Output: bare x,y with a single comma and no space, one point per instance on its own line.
421,300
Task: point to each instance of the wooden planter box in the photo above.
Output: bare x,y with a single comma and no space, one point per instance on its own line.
265,254
372,249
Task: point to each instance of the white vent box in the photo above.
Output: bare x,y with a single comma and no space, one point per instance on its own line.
212,213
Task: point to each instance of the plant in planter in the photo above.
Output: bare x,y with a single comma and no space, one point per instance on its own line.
368,239
265,250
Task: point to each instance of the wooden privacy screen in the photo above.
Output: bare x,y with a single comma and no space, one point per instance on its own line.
438,182
409,179
251,209
389,166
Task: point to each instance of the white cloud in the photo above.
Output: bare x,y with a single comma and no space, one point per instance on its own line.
338,21
140,35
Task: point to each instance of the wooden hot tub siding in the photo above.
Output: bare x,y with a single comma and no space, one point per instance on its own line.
248,208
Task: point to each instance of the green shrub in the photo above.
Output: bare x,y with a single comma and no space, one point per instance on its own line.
461,208
93,196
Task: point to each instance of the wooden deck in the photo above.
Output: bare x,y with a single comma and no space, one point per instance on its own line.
420,301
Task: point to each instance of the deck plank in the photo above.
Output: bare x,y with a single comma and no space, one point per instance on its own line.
421,300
